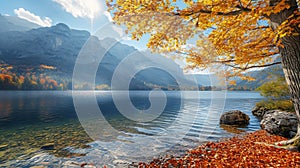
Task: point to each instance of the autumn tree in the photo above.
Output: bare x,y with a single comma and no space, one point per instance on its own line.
7,82
240,34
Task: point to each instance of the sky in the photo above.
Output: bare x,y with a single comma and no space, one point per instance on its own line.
90,15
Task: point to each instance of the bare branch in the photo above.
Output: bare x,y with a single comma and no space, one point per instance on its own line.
260,27
253,66
231,13
262,66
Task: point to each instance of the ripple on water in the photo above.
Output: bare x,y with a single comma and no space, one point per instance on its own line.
53,120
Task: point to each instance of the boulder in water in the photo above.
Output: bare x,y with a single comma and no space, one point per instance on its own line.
235,117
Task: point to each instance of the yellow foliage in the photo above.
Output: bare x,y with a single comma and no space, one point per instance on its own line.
235,33
232,82
47,67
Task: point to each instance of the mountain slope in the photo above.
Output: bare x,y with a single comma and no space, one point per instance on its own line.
58,46
13,23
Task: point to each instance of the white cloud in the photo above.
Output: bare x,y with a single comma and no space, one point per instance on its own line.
116,28
6,15
111,30
81,8
108,15
27,15
121,32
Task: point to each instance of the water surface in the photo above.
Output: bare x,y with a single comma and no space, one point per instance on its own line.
32,119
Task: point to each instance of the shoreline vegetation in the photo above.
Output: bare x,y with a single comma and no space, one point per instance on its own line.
246,150
45,77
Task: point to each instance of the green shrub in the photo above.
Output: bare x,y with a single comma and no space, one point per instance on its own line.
286,105
277,94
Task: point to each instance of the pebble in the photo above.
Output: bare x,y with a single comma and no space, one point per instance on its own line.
70,164
3,147
89,166
120,162
49,146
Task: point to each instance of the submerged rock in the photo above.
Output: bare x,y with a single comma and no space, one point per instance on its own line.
280,123
3,147
49,146
235,117
73,164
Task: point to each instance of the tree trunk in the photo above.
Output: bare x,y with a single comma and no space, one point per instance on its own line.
290,55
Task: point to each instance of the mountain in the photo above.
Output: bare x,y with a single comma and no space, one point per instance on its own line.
261,77
205,79
53,52
56,49
13,23
144,69
56,46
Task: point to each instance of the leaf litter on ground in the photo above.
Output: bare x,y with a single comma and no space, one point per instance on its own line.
239,151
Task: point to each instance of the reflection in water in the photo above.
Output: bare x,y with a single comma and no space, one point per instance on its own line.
141,101
5,110
183,119
28,120
22,108
232,129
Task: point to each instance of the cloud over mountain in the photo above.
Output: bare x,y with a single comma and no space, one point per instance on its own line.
31,17
81,8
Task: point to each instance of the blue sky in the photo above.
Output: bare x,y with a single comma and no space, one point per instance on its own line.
90,15
87,15
51,9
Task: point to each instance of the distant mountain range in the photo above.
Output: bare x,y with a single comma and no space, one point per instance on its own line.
13,23
26,47
261,76
43,53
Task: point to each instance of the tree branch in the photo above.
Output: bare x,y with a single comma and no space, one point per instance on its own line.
254,66
231,13
261,27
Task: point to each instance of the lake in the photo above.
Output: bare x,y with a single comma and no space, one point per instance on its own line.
112,127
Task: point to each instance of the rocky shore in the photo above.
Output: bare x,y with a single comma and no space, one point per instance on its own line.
277,122
249,150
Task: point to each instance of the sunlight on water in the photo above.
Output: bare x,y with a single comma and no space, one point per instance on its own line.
29,120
